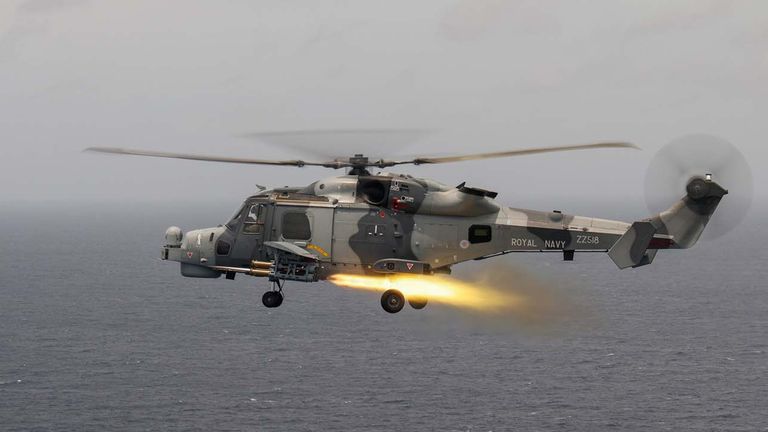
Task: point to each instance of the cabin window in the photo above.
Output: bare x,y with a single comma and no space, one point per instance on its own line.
479,233
295,226
254,220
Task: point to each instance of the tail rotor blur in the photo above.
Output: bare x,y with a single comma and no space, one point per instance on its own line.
684,158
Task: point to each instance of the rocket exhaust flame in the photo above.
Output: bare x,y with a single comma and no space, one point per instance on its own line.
437,289
499,297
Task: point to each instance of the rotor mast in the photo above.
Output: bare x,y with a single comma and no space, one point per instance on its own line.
359,165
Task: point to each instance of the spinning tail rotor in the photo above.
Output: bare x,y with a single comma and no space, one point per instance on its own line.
696,164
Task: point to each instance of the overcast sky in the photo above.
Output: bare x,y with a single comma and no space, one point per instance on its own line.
480,75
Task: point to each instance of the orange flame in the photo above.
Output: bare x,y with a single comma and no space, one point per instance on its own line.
438,289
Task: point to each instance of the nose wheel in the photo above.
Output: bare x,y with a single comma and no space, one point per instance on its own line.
274,297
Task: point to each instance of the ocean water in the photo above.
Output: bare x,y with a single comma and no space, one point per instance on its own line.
96,333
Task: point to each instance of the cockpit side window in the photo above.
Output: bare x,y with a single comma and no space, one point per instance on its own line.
254,219
255,214
232,224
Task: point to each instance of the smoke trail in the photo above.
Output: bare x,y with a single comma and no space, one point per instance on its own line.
496,296
548,303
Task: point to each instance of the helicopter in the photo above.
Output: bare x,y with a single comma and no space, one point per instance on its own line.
389,223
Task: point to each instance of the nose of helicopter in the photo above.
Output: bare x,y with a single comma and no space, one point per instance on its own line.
195,248
189,247
194,251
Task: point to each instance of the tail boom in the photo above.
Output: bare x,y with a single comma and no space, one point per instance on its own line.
678,227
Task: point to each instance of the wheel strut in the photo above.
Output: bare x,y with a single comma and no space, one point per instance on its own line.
274,297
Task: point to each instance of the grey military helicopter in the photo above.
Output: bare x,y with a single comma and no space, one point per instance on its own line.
394,224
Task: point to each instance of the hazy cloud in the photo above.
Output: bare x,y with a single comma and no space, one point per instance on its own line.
42,6
479,75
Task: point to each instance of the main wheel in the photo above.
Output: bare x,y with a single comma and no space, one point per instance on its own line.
272,299
417,301
392,301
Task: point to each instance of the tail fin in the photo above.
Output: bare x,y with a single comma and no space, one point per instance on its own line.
631,250
678,227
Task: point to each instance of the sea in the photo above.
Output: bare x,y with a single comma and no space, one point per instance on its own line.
96,333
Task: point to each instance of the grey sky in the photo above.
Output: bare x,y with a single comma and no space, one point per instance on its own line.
482,75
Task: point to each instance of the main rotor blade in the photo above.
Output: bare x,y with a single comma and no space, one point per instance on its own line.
131,152
336,164
521,152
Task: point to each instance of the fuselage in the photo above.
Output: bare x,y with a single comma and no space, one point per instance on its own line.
351,223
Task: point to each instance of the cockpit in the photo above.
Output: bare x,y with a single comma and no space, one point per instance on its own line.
251,214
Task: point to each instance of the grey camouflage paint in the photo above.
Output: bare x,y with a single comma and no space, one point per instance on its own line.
358,221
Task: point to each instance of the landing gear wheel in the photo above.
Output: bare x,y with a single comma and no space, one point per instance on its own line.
417,302
392,301
272,299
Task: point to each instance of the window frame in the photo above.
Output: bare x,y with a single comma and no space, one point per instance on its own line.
258,223
235,219
307,216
